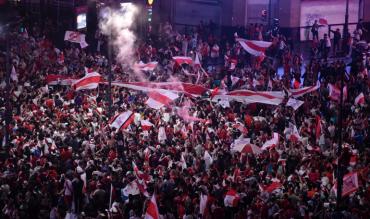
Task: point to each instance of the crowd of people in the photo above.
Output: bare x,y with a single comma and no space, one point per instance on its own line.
64,160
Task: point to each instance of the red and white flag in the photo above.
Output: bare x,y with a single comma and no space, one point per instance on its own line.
75,37
152,209
89,70
304,90
350,184
247,96
54,79
271,143
334,92
146,125
254,47
160,98
183,60
360,99
150,66
240,127
244,146
294,103
176,87
123,120
231,198
294,135
270,188
323,21
88,82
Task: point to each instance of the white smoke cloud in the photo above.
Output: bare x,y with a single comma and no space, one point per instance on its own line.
118,23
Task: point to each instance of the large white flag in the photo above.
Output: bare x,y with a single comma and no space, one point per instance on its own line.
76,37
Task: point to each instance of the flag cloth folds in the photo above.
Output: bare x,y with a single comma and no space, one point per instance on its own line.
176,87
248,96
122,120
254,47
244,146
294,103
350,184
271,143
150,66
360,99
75,37
182,60
304,90
152,209
160,98
53,79
146,125
88,82
231,198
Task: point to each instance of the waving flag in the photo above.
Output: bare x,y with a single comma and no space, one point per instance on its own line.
54,79
146,125
247,96
360,99
293,133
294,103
302,91
182,60
231,198
150,66
244,146
254,47
88,82
272,187
323,21
130,189
123,120
240,127
158,99
75,37
152,209
89,70
176,87
271,143
350,184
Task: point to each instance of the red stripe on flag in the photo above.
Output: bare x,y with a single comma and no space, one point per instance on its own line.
159,97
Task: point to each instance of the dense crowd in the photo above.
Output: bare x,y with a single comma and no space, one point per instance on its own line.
64,159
